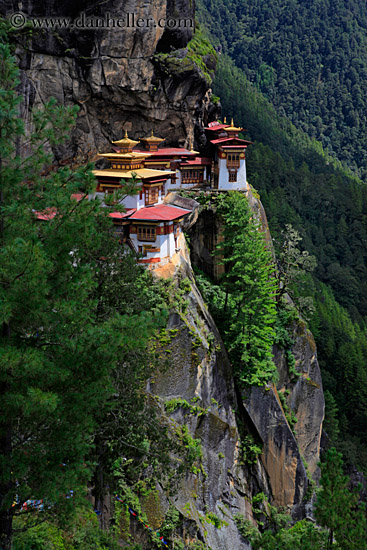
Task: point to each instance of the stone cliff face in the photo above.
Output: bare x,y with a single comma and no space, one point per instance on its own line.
198,386
196,392
121,78
290,453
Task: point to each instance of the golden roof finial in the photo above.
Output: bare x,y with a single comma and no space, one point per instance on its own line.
126,134
192,150
232,124
225,120
151,134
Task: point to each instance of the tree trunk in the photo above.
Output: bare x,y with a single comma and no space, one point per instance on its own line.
101,492
6,529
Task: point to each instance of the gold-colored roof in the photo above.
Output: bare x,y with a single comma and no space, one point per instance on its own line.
192,150
152,139
125,156
233,128
126,141
140,172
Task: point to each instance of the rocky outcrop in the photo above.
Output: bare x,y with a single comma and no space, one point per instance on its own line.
281,456
187,204
198,386
287,417
115,75
303,392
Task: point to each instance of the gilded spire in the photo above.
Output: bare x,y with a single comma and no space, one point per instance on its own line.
225,120
192,150
126,144
232,129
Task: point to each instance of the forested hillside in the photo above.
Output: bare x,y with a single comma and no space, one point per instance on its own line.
309,59
301,184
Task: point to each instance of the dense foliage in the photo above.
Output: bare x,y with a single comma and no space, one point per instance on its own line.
244,301
341,517
72,325
308,59
301,185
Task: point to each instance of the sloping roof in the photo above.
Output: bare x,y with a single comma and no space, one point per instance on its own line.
46,215
161,212
169,151
144,173
78,196
213,127
122,215
225,139
201,161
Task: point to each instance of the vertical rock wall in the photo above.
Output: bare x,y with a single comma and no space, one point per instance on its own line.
112,74
290,454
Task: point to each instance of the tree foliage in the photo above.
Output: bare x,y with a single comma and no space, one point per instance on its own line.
308,59
67,316
243,303
338,509
248,280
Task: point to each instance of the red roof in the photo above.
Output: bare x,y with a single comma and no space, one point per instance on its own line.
159,213
47,214
216,126
78,196
121,215
202,161
239,146
169,151
224,139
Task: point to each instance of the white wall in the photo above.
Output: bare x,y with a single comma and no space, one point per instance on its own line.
223,182
128,202
176,184
166,244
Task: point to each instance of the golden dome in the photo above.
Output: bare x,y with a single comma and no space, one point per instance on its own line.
152,138
126,142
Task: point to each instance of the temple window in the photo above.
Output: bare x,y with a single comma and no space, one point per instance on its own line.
233,160
151,195
232,176
192,176
146,233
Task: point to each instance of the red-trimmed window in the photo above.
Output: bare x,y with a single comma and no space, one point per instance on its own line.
151,195
233,160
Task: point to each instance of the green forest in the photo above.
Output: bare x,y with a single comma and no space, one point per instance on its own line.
303,184
309,59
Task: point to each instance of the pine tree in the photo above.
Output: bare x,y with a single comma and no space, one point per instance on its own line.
250,286
61,332
338,508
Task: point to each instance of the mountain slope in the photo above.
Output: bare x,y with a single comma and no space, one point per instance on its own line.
309,59
299,183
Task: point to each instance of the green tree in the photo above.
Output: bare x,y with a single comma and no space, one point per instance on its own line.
251,288
293,265
337,508
61,334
